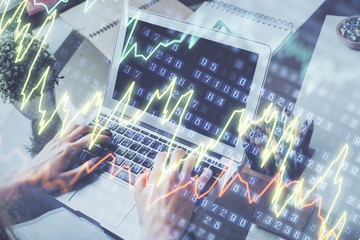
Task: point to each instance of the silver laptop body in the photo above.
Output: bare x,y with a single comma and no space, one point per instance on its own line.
109,200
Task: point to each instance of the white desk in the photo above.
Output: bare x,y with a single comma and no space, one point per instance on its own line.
329,95
15,132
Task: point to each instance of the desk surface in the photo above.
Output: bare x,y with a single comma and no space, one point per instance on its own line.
16,130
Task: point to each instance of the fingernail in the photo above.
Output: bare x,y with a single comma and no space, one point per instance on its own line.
78,137
107,132
93,161
208,172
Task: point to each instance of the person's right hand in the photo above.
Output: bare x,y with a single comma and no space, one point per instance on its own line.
163,212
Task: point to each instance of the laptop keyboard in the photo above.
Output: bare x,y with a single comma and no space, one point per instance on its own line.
135,148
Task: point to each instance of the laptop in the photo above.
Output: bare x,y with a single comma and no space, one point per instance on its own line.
153,53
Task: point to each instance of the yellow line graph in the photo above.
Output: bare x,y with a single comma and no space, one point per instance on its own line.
244,124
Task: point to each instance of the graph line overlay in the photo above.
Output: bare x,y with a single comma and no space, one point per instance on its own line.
298,196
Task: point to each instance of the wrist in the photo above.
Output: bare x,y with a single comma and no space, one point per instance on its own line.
17,186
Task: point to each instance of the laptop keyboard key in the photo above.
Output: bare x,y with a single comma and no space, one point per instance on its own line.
112,126
109,146
94,120
222,166
119,160
121,129
103,152
117,139
112,169
126,176
146,141
94,150
215,171
148,163
155,145
109,159
103,122
121,151
85,156
144,132
130,155
211,161
136,129
139,159
152,154
163,148
136,169
129,133
163,140
138,137
103,167
135,146
154,136
144,150
126,142
183,148
127,164
200,168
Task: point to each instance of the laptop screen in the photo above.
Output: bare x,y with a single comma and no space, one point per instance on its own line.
220,76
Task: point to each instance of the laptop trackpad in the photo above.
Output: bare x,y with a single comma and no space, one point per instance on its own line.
104,201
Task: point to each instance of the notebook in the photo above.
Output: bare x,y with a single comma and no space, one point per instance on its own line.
98,21
267,21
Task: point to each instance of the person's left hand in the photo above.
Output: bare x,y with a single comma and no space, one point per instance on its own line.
48,169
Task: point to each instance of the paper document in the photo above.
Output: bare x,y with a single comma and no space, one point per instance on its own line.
266,21
99,22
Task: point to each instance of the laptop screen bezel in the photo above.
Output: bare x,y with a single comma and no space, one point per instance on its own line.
261,49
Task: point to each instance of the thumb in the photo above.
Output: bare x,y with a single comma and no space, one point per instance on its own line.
73,175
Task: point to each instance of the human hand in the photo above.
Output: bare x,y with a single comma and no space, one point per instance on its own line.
165,207
48,169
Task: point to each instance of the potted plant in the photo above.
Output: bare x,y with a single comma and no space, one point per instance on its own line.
14,74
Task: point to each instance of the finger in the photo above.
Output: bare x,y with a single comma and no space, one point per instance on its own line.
78,132
71,129
101,138
159,161
172,172
205,176
73,175
140,181
83,130
66,131
191,197
80,144
176,157
187,168
203,180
